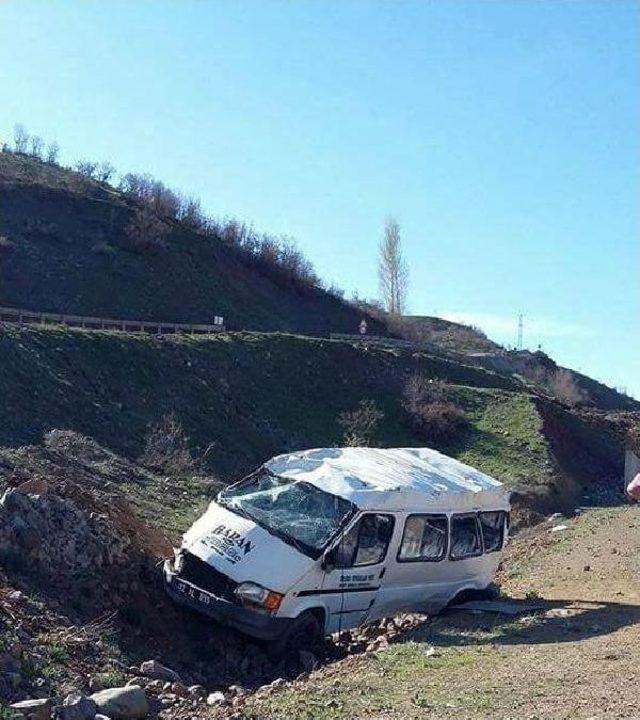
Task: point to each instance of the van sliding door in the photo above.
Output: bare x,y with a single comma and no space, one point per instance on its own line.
361,553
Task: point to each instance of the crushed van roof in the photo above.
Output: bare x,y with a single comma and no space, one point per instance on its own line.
394,478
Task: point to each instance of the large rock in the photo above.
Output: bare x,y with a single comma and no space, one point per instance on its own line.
55,537
78,707
216,698
124,703
33,709
153,669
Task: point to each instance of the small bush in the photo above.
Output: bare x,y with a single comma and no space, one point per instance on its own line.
360,425
419,390
439,421
431,415
110,678
146,231
167,448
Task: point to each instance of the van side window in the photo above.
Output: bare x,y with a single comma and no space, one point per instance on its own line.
492,524
424,539
366,542
465,537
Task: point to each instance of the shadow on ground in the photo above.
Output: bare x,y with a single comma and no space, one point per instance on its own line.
556,621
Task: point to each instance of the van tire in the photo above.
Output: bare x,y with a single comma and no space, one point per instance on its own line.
491,592
304,633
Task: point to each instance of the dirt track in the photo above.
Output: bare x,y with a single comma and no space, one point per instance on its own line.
576,658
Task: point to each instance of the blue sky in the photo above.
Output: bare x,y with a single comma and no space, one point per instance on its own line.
504,136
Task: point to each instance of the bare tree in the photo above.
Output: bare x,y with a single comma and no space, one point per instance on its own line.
88,168
104,172
20,138
53,151
393,274
37,146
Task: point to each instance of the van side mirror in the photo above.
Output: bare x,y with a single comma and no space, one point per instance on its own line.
329,559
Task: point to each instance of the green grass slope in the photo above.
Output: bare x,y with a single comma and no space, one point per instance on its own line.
249,396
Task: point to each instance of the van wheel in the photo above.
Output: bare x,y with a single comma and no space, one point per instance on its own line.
304,633
491,592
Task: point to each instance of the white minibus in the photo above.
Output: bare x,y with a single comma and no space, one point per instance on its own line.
319,541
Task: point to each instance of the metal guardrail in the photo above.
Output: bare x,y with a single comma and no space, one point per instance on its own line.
30,317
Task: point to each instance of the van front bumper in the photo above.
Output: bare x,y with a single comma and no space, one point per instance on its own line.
247,621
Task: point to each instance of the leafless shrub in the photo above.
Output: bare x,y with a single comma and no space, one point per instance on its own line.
440,421
146,231
20,138
335,290
166,203
360,425
430,413
37,146
190,213
278,257
565,388
166,447
53,150
88,168
299,268
136,186
104,172
419,390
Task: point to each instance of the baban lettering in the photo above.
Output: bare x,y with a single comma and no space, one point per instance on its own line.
229,543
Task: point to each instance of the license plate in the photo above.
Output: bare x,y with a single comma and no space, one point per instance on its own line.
193,593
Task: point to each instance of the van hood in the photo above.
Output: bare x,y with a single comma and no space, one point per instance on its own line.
244,551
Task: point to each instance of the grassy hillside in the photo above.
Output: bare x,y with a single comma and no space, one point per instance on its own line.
66,250
249,396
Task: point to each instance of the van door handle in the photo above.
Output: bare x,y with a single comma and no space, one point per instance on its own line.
382,572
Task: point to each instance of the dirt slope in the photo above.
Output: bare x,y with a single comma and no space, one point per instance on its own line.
577,658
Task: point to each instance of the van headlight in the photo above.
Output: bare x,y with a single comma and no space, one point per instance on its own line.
178,560
259,597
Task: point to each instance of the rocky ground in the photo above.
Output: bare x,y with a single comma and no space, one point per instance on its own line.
87,631
82,608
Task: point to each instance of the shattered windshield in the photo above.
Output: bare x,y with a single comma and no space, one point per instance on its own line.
298,512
